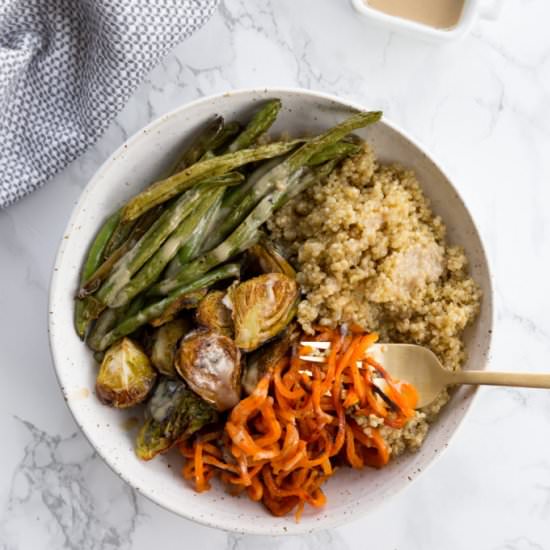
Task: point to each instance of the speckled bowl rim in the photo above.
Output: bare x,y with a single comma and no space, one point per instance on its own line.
328,521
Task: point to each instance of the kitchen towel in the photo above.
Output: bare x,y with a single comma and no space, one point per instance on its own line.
67,67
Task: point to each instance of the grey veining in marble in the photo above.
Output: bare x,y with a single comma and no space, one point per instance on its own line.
52,486
482,106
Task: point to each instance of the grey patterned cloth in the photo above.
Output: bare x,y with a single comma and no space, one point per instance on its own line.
67,67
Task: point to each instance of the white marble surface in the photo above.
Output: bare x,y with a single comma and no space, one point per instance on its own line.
482,106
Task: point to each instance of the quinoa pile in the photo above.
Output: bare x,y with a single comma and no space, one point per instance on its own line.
369,251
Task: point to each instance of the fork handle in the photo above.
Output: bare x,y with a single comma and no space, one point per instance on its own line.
520,379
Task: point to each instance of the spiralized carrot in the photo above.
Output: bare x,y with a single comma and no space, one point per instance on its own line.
278,443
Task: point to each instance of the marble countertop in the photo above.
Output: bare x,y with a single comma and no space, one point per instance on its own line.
482,106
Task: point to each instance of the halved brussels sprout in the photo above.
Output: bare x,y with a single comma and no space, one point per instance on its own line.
265,358
174,413
213,313
262,307
211,364
125,376
186,301
265,258
165,343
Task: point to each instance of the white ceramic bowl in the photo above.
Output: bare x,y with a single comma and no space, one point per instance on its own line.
135,164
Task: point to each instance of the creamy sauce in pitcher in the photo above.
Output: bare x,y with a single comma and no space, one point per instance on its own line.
441,14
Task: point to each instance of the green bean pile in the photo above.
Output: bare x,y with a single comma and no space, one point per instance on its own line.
186,232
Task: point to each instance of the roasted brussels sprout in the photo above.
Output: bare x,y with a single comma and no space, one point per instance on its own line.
174,412
187,301
213,313
262,307
125,376
265,258
211,364
265,358
165,343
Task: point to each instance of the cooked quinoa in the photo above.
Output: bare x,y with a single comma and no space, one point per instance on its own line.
369,251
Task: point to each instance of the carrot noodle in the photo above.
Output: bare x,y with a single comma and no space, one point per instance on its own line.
353,458
282,442
200,481
409,394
